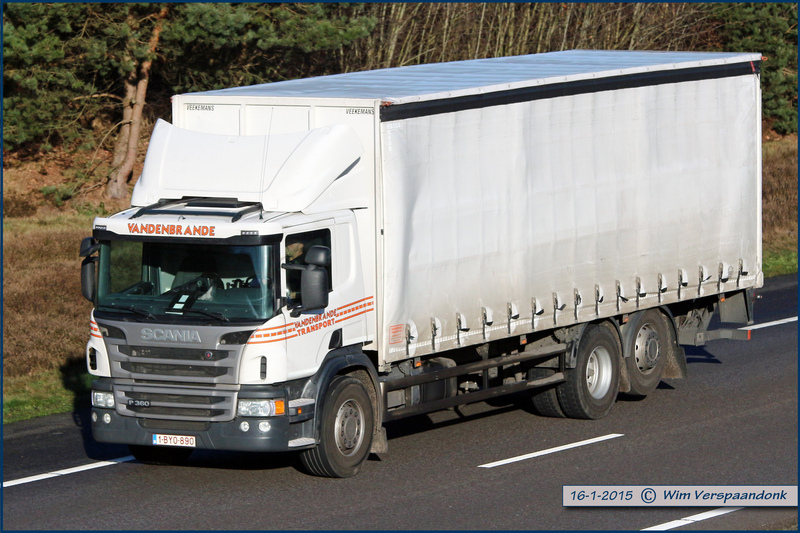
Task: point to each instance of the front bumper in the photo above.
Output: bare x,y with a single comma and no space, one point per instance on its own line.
213,436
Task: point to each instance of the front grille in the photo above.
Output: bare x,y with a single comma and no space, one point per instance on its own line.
177,364
175,403
188,371
160,383
175,398
176,411
179,354
180,425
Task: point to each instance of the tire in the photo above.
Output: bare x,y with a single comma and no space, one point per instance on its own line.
346,431
545,399
591,387
153,455
647,348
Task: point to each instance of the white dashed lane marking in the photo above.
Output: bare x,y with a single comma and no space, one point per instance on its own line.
550,450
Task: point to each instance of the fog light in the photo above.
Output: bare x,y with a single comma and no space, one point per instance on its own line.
107,418
94,417
264,426
245,426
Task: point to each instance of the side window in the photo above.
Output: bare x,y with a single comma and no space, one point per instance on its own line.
297,246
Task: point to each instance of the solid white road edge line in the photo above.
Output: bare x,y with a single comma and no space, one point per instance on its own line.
770,324
692,519
551,450
67,471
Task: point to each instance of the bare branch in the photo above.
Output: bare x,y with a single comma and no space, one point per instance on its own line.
100,95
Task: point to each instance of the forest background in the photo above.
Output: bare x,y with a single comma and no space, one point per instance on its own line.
84,83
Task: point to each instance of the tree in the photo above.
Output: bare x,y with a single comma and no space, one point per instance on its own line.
140,33
68,63
44,74
227,45
65,65
72,68
770,29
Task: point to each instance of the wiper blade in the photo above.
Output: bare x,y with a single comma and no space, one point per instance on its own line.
136,310
210,314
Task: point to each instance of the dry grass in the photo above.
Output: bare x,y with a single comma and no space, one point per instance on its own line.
780,193
45,319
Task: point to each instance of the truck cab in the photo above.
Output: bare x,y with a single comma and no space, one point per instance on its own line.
198,302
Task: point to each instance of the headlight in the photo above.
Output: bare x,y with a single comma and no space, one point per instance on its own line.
261,407
103,399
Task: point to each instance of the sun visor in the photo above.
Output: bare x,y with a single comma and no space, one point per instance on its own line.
283,171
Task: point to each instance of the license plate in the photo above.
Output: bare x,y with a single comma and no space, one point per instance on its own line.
187,441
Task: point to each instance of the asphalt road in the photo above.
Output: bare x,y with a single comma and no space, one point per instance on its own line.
732,422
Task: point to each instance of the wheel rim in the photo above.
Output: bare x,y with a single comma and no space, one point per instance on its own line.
647,348
349,433
598,372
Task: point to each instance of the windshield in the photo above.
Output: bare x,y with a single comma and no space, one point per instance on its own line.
186,282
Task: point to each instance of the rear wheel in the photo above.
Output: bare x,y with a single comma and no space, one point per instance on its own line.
545,399
646,349
153,455
346,432
591,387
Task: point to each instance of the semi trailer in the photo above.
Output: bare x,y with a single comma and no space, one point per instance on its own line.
307,260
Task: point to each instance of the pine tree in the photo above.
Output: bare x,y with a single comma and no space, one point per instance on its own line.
770,29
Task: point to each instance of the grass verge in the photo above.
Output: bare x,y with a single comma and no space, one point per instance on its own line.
45,319
779,262
46,393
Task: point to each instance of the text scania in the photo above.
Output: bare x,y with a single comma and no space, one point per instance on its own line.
171,229
314,323
171,335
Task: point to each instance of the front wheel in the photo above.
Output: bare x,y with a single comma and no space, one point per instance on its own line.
346,431
591,387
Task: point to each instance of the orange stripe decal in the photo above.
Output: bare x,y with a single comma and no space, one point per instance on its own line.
313,322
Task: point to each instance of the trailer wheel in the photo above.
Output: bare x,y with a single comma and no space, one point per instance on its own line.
545,399
346,431
153,455
647,351
591,387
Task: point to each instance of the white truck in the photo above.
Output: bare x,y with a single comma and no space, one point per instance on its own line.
304,261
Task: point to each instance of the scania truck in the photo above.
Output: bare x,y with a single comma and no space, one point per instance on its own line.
308,260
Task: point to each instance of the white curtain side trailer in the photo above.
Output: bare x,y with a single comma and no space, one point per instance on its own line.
424,236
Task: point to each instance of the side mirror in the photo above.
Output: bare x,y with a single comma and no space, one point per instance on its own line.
88,278
314,287
88,247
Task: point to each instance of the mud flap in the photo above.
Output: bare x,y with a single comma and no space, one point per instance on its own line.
379,442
